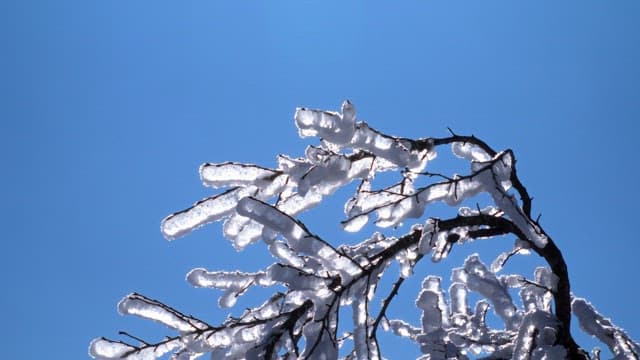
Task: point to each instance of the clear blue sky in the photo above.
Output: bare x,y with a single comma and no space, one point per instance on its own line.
108,107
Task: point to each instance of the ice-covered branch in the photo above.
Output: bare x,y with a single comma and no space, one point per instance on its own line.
450,329
474,141
594,324
321,278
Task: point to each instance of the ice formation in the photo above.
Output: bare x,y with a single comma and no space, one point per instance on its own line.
257,203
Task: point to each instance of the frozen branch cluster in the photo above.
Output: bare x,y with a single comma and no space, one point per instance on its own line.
257,203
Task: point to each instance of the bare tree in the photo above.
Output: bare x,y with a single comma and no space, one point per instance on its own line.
322,279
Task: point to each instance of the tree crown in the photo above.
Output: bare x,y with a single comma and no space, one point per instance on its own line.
322,280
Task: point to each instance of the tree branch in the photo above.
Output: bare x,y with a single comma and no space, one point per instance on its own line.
385,304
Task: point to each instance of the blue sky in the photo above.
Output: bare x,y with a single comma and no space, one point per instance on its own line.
109,107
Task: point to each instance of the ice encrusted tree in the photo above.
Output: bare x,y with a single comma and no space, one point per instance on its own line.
323,280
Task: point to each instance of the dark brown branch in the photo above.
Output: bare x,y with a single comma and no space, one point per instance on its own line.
137,349
432,174
366,310
509,255
385,305
133,337
524,195
561,297
465,139
533,283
